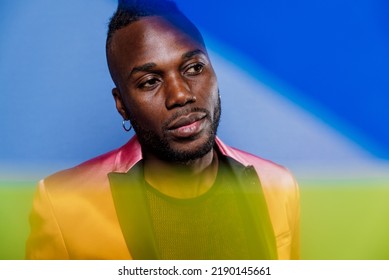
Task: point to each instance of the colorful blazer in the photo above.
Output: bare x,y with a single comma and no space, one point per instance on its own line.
74,214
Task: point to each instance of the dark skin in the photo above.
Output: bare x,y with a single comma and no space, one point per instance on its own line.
165,84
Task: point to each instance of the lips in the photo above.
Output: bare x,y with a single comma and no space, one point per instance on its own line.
188,125
186,120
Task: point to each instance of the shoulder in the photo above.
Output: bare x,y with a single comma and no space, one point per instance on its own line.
95,170
271,174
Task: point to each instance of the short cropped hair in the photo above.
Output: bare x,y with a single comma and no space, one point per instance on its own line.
129,11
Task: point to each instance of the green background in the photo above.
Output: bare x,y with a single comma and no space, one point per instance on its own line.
340,219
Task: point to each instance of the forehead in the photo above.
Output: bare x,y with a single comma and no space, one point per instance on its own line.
151,38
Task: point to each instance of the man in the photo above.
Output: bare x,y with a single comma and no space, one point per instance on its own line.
174,191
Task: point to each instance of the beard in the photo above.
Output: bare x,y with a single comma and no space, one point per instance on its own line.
160,146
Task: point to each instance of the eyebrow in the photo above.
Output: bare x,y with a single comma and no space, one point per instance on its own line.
193,53
143,68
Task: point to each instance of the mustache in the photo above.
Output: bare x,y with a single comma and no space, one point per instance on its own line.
184,112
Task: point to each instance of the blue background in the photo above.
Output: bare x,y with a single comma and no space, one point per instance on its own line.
328,58
335,53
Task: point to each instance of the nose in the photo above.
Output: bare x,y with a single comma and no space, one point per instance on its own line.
178,92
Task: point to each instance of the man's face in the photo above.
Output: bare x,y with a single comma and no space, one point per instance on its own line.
167,87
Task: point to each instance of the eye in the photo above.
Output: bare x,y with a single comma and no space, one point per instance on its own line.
149,84
194,69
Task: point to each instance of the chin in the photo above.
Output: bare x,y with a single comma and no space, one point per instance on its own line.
189,151
183,151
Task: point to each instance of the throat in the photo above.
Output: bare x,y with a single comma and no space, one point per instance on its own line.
182,181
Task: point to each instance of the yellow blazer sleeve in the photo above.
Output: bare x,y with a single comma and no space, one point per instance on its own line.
45,240
283,198
295,223
289,237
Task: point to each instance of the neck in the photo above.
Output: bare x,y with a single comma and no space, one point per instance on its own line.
181,180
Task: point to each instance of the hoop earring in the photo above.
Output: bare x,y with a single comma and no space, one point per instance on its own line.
127,129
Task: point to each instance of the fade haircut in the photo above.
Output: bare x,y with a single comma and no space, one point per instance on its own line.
129,11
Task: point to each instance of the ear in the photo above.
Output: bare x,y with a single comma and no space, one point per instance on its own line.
120,106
